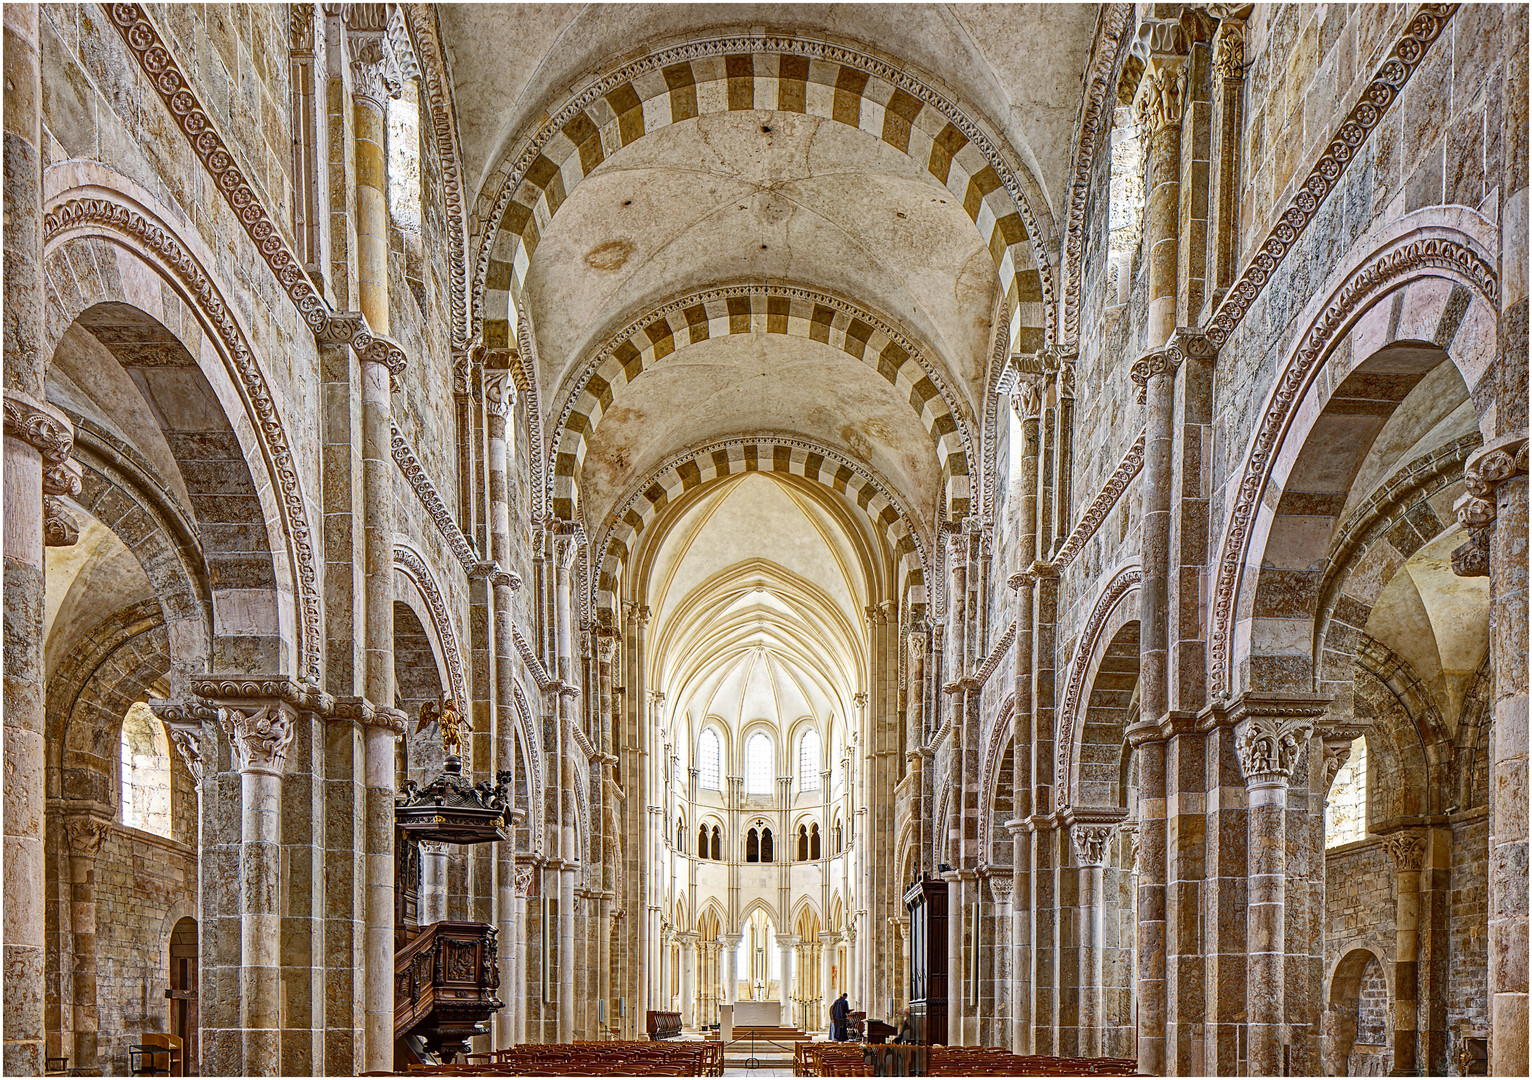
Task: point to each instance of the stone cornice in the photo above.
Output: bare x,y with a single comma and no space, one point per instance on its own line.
1381,272
219,161
1380,93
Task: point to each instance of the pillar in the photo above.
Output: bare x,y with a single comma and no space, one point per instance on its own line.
260,737
520,981
785,943
566,548
374,79
1268,747
37,444
85,836
1090,849
730,966
1408,851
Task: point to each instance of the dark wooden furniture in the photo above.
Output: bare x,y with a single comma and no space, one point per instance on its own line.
879,1033
926,901
662,1025
445,974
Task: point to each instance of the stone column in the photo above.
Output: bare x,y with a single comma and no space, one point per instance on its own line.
260,739
688,942
85,836
1409,852
1494,511
1090,844
566,547
1268,747
374,79
785,943
37,445
499,399
730,966
1150,975
524,874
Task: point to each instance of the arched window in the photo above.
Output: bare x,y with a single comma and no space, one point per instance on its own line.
752,846
717,844
405,182
1346,813
710,760
766,845
838,837
809,761
145,771
702,841
758,764
814,841
803,844
680,834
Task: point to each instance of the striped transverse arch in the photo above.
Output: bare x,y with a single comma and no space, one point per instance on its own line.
771,309
714,461
768,72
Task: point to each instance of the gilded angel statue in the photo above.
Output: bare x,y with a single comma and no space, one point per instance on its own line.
445,715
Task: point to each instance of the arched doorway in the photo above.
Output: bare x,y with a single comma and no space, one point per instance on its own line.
182,993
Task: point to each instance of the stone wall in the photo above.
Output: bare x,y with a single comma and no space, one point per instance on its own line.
1468,947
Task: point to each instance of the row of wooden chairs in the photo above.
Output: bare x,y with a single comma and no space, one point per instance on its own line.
670,1058
840,1059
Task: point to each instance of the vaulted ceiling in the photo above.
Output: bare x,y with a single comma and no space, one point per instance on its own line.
817,221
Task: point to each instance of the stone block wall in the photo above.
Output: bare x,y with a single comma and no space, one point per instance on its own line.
1468,936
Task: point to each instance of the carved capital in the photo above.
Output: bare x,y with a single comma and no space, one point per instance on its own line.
1337,751
375,75
261,737
1161,92
1229,51
1486,469
59,528
1268,746
1066,380
1408,851
85,836
499,392
1090,843
1471,558
523,881
1026,399
48,431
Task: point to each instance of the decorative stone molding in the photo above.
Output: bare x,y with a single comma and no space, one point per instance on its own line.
260,737
175,91
1486,469
222,689
48,431
1101,505
434,79
1267,746
85,834
148,235
1364,285
414,565
1001,883
1125,580
1183,345
425,491
1408,851
523,881
996,654
1323,179
375,75
59,528
1090,843
1095,114
1337,749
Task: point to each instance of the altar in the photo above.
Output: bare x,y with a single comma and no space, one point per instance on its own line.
749,1014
